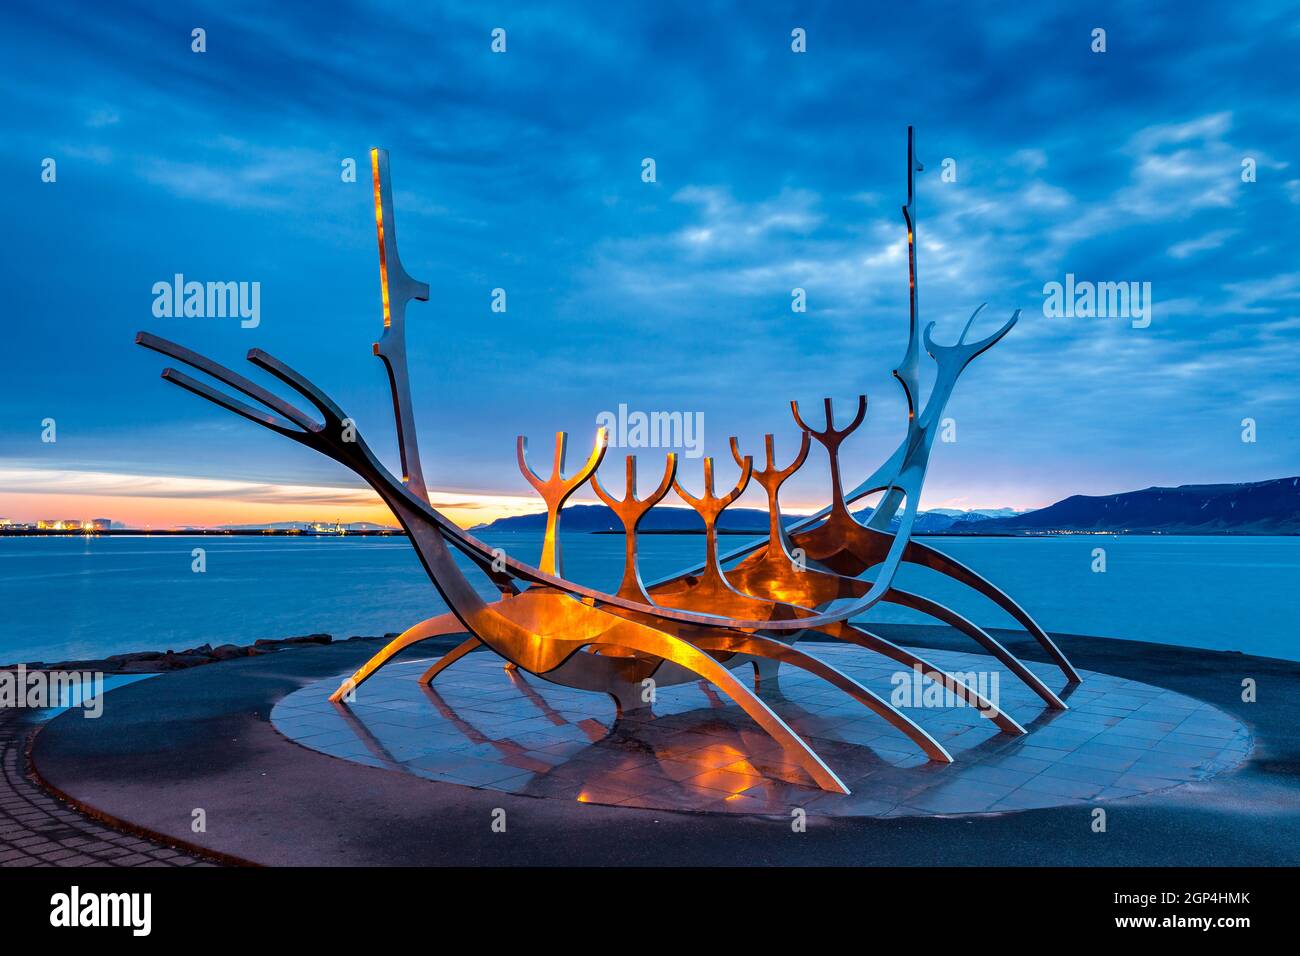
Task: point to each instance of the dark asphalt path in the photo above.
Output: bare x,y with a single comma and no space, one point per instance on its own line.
38,829
202,739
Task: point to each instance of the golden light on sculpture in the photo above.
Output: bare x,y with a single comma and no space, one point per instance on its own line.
379,226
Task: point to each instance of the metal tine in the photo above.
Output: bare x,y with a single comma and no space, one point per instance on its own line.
961,339
631,508
227,376
963,352
557,489
708,501
273,422
521,456
630,511
709,506
333,415
770,473
557,460
557,485
772,478
830,432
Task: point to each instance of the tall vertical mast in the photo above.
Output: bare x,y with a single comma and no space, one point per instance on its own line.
908,371
398,288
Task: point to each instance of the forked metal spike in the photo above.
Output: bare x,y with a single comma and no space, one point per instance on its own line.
831,438
630,510
709,506
771,479
557,489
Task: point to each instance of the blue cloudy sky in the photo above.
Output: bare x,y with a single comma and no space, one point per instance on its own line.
775,170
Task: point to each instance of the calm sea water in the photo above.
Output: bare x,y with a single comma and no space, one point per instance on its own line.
65,598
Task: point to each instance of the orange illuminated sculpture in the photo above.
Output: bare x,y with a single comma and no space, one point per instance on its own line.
748,607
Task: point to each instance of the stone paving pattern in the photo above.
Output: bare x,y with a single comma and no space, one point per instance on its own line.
38,829
486,727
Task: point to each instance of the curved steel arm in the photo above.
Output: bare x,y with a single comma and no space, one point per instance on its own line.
557,487
830,433
227,376
771,475
964,353
273,422
709,505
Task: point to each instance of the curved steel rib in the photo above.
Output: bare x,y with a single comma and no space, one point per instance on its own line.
984,639
854,634
451,657
926,556
426,629
681,653
758,646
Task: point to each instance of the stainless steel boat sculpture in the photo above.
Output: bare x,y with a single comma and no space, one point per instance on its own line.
748,607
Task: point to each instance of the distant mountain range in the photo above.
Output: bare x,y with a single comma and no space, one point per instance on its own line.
1262,507
672,520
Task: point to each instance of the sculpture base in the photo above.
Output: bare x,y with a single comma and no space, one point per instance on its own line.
483,726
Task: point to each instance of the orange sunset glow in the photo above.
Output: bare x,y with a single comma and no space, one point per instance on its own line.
168,501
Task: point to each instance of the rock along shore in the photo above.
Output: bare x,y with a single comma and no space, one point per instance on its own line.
153,662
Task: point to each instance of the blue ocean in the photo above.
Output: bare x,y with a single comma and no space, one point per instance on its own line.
88,597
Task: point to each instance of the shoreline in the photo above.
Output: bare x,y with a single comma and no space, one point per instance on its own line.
159,662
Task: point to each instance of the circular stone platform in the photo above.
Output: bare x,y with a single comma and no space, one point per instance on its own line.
484,726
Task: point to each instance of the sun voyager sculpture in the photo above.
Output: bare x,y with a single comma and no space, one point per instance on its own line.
735,613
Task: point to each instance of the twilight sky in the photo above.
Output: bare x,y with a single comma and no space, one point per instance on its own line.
522,171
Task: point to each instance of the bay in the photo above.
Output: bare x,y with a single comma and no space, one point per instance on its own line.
65,598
